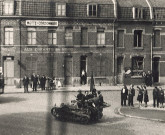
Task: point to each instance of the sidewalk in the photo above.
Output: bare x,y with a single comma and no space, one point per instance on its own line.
147,113
13,89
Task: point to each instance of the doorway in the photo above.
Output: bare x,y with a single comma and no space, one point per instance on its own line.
156,69
9,70
120,70
83,69
68,71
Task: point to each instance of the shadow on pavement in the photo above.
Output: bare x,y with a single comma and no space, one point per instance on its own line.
4,100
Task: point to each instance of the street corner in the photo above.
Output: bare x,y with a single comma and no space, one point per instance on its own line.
146,113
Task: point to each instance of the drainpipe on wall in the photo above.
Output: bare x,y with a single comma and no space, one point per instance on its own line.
152,18
20,49
115,15
152,47
114,71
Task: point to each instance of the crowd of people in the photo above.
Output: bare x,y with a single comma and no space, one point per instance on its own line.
129,93
37,81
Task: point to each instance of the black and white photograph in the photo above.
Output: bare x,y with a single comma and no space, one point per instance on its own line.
82,67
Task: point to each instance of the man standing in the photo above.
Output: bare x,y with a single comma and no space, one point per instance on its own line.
25,83
149,79
161,97
43,81
32,78
124,93
35,81
131,94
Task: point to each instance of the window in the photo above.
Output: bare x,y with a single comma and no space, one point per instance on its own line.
100,37
61,9
31,36
52,37
51,65
92,10
157,38
101,67
9,7
138,38
137,13
69,36
9,36
119,65
31,65
84,36
137,66
120,38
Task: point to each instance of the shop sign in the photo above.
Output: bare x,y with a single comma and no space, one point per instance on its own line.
38,49
41,23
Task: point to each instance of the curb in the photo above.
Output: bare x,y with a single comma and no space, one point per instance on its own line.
136,117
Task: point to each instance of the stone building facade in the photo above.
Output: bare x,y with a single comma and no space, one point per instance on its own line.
63,38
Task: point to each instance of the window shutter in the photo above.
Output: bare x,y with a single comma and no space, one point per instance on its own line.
87,10
142,13
133,11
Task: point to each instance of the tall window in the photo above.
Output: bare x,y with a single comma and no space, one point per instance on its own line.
9,36
52,37
31,36
69,36
137,13
61,9
84,36
138,38
137,65
92,10
120,38
157,38
119,65
31,65
8,7
101,67
100,37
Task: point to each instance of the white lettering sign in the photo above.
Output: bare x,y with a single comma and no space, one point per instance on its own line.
41,23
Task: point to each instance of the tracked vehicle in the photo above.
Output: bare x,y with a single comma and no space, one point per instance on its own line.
90,111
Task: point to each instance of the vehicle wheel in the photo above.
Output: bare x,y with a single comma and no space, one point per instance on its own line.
54,113
84,120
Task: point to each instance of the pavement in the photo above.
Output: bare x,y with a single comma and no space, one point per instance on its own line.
13,89
149,113
142,112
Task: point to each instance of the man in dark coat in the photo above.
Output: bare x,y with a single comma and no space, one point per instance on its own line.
149,79
101,100
43,81
32,78
81,99
25,83
35,81
124,93
131,94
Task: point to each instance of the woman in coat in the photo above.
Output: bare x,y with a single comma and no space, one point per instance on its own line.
146,99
